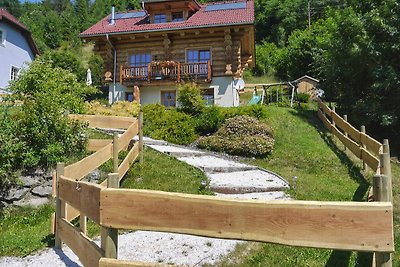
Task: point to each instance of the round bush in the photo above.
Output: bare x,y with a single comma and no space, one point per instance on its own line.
243,136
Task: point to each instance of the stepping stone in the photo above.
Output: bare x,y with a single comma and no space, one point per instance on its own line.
177,151
246,182
213,164
276,195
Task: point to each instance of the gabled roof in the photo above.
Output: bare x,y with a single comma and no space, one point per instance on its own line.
306,77
6,16
205,17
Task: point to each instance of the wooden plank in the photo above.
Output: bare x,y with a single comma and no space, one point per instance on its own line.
371,144
106,262
127,136
83,196
132,155
350,144
83,167
324,107
324,119
346,127
98,121
86,250
97,144
334,225
370,160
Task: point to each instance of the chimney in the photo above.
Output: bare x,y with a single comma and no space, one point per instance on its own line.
112,21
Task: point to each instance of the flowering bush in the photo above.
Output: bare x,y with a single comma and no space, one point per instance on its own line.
243,136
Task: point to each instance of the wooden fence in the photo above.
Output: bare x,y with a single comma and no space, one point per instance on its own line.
104,151
355,226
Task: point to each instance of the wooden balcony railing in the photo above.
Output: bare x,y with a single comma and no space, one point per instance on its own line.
167,71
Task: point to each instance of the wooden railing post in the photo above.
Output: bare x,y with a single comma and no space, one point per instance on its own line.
345,133
179,72
115,152
121,69
60,205
382,193
384,159
362,146
109,238
141,142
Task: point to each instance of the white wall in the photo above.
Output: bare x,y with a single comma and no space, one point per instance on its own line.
224,93
16,52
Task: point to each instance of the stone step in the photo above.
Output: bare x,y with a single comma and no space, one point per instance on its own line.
246,182
212,164
177,151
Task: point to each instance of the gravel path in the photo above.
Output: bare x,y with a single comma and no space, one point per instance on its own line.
228,178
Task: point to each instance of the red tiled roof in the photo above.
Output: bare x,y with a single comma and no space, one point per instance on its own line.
5,15
201,18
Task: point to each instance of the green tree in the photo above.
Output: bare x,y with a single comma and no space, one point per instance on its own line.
190,99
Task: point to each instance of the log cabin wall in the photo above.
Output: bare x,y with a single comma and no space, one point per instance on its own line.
229,46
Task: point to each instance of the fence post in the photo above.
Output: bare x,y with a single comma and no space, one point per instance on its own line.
333,110
109,237
141,137
345,133
384,159
382,192
362,146
115,153
60,205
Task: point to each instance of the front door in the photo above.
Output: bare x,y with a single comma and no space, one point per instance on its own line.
168,98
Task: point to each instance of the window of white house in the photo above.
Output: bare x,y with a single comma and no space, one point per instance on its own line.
160,18
14,73
2,37
193,56
177,16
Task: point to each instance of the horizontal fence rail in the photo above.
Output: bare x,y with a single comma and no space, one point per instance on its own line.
296,223
359,143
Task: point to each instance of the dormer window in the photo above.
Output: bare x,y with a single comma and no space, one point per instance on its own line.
177,16
160,18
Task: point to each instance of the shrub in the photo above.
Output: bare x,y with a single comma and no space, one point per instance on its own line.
243,136
119,108
168,124
47,92
303,97
190,99
257,111
208,121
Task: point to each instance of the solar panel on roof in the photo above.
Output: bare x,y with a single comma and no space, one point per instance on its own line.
130,15
226,6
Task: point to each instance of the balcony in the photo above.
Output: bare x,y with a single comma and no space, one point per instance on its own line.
167,71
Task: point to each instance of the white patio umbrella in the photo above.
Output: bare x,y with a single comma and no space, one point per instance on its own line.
89,77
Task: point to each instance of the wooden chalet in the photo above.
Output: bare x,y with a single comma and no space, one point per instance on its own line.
148,52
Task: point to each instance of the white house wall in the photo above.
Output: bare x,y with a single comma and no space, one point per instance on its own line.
16,52
225,95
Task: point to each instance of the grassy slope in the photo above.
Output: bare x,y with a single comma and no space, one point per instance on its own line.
304,149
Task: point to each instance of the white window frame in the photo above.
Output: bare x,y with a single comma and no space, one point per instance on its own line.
14,77
3,38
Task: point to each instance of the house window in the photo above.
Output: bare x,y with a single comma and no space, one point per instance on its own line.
14,73
160,18
168,98
193,56
208,96
139,65
140,60
177,16
2,37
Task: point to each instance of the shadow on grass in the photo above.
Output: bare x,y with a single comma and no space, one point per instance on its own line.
49,240
338,257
